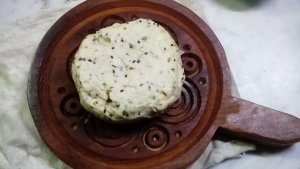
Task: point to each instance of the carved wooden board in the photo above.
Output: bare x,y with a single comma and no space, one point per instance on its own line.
173,140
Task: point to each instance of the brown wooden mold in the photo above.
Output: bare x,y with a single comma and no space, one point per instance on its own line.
173,140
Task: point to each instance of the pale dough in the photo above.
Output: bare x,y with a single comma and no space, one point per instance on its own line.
128,71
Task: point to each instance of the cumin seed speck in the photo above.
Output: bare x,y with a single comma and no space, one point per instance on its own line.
145,38
164,93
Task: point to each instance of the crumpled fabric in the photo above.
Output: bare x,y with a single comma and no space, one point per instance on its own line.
20,144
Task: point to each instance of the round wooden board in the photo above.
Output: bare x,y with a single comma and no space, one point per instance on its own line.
173,140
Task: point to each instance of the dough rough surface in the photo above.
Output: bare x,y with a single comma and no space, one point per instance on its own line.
128,71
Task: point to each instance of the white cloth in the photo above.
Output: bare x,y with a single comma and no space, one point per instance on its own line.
20,144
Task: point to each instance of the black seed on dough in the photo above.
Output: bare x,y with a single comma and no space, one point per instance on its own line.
131,68
111,57
165,49
121,90
146,53
90,60
131,45
133,61
113,48
138,61
138,42
164,93
114,71
169,59
172,44
141,84
126,76
122,40
110,115
145,38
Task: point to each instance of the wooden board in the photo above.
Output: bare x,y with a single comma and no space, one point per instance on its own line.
173,140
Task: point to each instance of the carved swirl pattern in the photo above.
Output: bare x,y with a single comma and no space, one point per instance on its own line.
108,134
192,64
184,108
156,135
70,105
156,138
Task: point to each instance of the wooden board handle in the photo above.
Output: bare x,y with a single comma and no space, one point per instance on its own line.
259,124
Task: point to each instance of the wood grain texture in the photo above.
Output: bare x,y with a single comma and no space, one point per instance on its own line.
258,124
173,140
